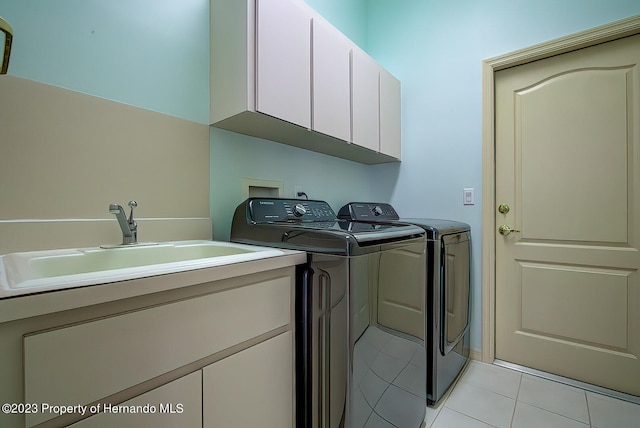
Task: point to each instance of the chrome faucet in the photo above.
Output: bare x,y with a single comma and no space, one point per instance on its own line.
129,227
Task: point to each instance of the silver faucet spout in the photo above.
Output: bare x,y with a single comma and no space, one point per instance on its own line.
129,227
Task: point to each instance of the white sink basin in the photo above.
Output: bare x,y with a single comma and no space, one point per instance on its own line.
35,271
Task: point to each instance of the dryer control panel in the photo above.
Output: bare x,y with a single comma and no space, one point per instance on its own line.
368,211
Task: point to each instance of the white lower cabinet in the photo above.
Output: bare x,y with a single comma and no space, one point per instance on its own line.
236,334
253,388
176,404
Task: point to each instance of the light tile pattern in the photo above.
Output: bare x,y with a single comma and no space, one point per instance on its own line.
390,377
487,396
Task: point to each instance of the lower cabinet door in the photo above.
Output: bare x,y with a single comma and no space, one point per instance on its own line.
176,404
253,388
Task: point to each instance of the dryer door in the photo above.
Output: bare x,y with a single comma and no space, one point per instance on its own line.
454,287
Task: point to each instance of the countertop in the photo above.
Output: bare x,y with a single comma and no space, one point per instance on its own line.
31,305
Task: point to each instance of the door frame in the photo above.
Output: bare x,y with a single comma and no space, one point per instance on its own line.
605,33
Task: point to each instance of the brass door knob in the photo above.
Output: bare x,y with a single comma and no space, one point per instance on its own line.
505,230
503,208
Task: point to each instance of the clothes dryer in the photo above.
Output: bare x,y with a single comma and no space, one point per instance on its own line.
448,289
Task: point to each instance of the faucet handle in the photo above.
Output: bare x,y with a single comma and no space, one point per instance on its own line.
132,205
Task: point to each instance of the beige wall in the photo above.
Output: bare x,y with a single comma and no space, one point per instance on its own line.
65,156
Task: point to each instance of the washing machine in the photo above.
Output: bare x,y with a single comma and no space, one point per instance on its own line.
448,290
360,312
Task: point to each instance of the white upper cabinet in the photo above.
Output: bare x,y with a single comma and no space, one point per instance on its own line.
283,61
365,101
279,71
331,93
375,98
390,132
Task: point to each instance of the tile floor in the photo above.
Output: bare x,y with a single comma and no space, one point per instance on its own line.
390,374
488,396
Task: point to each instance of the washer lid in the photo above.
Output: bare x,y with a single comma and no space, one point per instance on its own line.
436,227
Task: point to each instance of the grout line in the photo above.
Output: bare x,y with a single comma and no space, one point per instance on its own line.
560,412
472,417
513,415
569,382
447,394
586,397
202,403
586,393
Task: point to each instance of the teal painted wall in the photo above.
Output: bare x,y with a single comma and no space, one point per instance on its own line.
155,55
436,49
234,157
150,54
349,16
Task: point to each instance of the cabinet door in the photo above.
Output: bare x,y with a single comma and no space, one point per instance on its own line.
283,61
85,362
331,89
365,101
176,404
390,133
253,388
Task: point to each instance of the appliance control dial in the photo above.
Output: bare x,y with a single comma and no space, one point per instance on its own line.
377,210
299,210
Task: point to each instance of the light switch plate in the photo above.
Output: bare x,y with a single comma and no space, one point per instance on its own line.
468,196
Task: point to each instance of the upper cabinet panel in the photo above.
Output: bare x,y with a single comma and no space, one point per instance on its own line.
279,71
390,132
331,98
231,77
283,59
365,101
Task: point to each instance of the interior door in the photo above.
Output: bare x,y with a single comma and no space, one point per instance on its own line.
568,174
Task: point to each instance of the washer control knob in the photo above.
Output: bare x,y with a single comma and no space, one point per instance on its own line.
377,211
299,210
